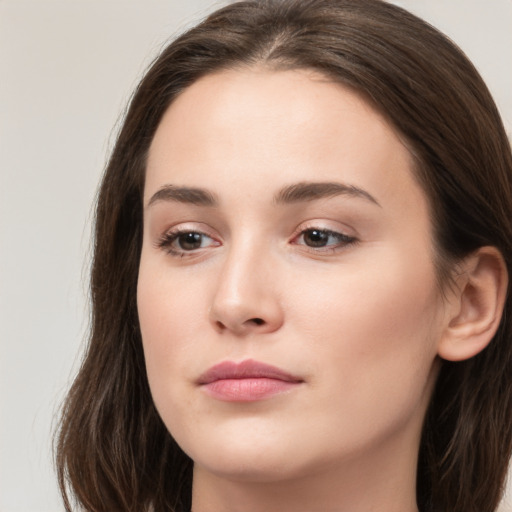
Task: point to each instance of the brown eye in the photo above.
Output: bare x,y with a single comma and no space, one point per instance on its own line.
190,241
183,242
324,239
316,238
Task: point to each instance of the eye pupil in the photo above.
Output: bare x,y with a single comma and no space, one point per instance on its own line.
316,238
190,241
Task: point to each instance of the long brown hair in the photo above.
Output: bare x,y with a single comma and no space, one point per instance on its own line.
113,451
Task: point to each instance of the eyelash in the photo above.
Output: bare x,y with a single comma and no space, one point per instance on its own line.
168,240
343,240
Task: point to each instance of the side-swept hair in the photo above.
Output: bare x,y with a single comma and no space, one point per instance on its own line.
113,451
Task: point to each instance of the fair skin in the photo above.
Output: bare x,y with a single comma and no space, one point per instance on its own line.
334,285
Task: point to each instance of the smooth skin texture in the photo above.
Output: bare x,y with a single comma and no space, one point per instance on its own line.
335,284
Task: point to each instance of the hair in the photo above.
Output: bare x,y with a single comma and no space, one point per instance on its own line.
113,452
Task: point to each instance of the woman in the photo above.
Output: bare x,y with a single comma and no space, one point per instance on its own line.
303,243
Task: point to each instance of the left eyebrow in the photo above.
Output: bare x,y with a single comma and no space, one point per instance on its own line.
309,191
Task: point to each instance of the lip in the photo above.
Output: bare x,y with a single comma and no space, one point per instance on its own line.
247,381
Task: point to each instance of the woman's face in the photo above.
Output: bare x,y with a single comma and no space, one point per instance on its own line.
283,227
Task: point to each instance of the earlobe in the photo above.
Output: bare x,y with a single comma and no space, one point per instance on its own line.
476,306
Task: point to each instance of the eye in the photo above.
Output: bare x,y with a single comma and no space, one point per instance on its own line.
323,239
191,241
180,242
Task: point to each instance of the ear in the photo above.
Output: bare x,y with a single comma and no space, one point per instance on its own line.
475,305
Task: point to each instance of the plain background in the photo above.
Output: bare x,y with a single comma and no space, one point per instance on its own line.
67,69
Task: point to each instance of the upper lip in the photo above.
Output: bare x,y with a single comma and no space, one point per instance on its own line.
245,370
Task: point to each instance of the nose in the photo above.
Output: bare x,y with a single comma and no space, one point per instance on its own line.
246,298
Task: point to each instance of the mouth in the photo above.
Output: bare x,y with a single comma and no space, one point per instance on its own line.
247,381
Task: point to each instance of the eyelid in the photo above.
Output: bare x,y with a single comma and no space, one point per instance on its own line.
346,234
165,240
324,225
189,226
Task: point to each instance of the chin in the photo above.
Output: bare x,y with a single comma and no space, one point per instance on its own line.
268,457
260,468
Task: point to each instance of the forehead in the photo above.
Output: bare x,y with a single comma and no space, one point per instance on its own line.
260,129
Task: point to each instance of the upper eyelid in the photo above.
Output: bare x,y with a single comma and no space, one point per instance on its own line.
189,227
204,229
176,232
339,234
168,238
325,225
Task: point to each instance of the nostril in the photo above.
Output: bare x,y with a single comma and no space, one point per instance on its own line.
221,326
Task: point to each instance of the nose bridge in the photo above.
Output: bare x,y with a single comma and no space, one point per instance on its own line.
242,269
246,297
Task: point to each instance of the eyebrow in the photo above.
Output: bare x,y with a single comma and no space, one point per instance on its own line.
310,191
190,195
296,193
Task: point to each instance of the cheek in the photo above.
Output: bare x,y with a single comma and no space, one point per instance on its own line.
385,295
168,313
374,330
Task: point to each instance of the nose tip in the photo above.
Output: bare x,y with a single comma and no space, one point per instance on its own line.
244,303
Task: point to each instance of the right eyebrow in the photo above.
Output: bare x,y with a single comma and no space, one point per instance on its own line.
191,195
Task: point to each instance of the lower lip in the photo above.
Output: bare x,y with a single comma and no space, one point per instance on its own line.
247,390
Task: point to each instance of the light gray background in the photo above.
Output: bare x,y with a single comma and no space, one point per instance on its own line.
66,70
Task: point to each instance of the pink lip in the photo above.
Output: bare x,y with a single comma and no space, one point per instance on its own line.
247,381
